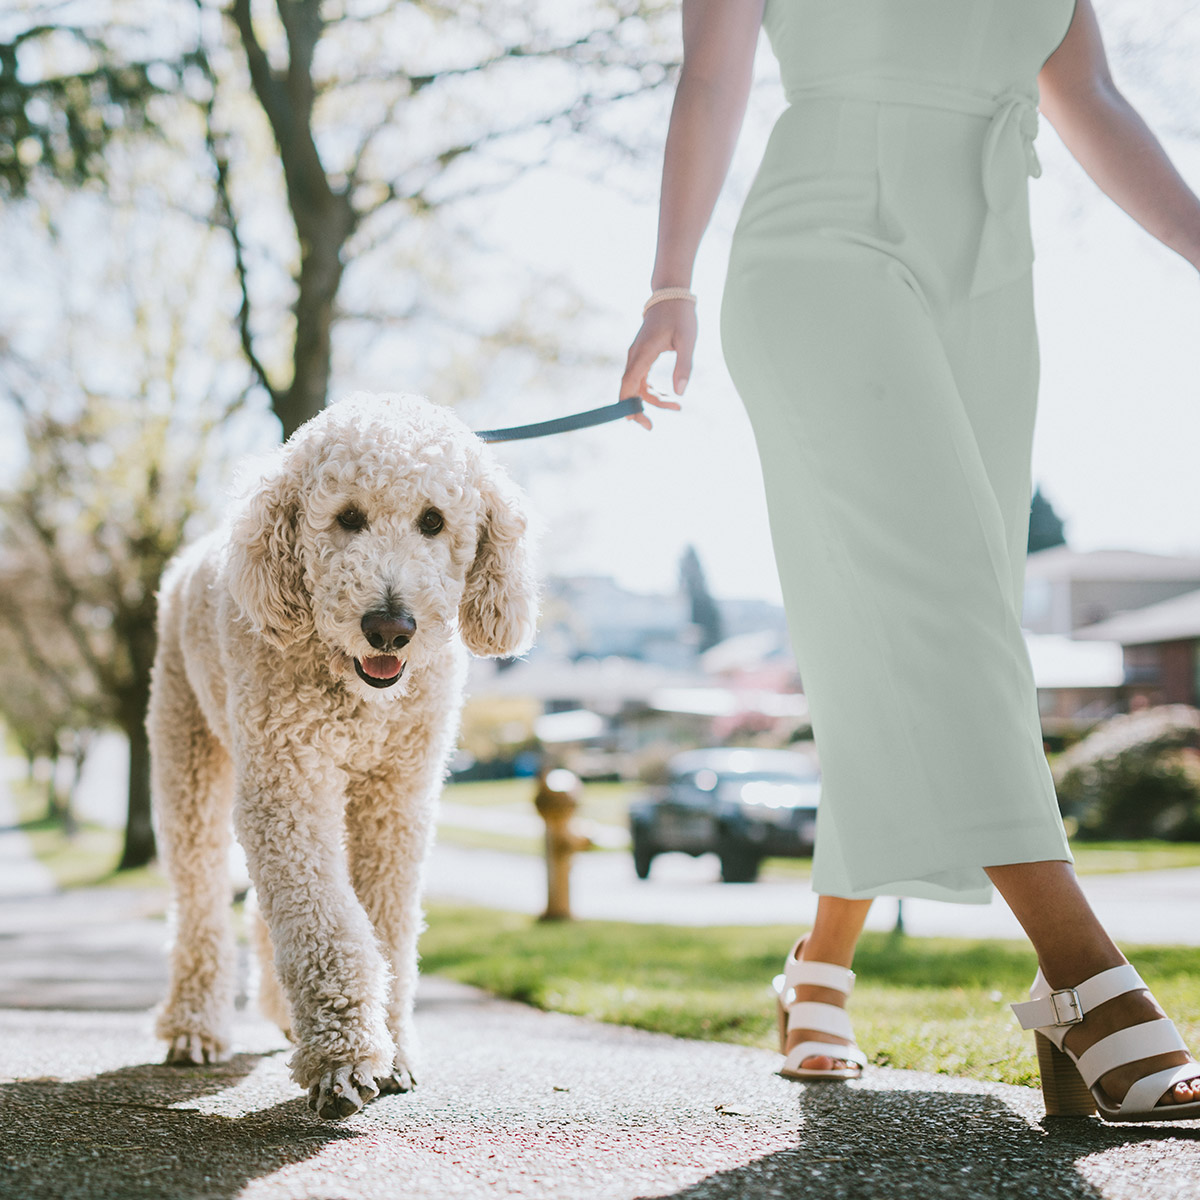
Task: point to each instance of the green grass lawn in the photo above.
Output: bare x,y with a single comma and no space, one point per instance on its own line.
930,1004
1091,858
607,802
1103,858
88,858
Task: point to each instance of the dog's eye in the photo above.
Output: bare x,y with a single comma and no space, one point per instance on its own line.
431,522
352,519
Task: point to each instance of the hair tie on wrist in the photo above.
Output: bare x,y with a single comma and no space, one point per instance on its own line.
668,293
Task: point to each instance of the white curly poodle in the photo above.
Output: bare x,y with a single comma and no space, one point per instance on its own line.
308,680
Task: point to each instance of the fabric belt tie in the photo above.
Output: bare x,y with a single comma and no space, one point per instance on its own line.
1008,158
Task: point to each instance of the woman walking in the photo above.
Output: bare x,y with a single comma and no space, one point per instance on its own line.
878,324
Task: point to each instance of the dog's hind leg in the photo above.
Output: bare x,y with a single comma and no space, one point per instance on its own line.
192,785
272,1003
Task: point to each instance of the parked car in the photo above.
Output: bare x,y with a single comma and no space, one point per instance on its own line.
743,804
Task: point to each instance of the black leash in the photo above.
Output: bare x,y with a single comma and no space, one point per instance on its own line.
594,416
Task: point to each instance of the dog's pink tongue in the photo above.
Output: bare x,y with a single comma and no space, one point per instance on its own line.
381,666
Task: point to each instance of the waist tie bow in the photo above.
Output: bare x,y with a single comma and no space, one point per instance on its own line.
1008,158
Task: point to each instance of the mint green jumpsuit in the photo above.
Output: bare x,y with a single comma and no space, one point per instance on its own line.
878,324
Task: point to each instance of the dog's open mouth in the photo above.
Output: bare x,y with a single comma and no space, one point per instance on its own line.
380,670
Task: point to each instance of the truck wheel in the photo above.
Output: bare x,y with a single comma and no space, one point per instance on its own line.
739,864
643,856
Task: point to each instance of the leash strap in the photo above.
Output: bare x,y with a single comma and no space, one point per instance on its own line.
594,416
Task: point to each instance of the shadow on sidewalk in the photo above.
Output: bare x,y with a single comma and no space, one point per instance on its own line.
114,1135
861,1145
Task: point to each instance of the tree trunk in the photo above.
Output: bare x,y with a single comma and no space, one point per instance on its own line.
78,754
53,807
322,239
314,346
139,832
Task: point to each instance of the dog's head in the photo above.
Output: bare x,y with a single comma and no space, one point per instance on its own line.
384,528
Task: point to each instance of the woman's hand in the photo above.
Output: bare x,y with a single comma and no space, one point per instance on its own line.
667,325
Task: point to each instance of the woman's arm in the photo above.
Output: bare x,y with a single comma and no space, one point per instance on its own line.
719,41
1111,141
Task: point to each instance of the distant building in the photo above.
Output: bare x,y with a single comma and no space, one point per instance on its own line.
1161,645
1078,683
592,616
1066,589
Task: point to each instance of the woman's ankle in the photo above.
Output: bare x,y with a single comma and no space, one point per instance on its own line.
1073,965
829,949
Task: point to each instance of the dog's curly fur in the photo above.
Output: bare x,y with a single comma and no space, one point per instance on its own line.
257,710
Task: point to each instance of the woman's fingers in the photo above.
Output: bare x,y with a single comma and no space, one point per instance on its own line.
637,366
659,333
659,400
642,353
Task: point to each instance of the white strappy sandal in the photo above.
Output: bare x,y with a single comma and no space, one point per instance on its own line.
1069,1083
811,1014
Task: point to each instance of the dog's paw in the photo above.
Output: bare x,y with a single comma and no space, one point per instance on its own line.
195,1050
342,1091
398,1079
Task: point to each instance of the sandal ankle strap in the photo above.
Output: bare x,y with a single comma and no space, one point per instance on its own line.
1067,1006
818,974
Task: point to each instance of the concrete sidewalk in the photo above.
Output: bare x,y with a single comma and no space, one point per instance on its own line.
512,1102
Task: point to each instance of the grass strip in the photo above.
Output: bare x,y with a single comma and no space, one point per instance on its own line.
927,1004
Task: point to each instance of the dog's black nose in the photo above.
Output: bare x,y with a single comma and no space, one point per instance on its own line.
388,630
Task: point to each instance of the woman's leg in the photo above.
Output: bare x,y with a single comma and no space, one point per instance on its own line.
833,938
1072,945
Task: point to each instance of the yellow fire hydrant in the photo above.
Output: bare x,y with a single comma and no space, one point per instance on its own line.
556,800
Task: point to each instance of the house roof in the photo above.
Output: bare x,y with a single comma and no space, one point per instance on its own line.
743,650
1061,662
1165,621
1062,562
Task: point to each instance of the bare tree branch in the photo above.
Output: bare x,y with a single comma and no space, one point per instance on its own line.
228,220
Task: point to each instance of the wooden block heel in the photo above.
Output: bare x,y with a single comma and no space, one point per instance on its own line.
1071,1084
1063,1088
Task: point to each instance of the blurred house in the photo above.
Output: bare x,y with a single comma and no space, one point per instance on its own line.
1065,588
595,617
1078,683
618,675
1161,649
1108,629
592,616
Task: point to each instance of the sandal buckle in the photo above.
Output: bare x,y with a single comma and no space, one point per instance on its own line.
1069,999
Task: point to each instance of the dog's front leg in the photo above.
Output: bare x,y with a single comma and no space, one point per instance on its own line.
389,825
288,817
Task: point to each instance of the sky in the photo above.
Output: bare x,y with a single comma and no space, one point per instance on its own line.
1117,446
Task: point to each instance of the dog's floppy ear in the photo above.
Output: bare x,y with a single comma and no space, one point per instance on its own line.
266,576
499,608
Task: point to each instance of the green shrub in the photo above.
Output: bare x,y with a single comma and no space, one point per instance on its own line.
1136,775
